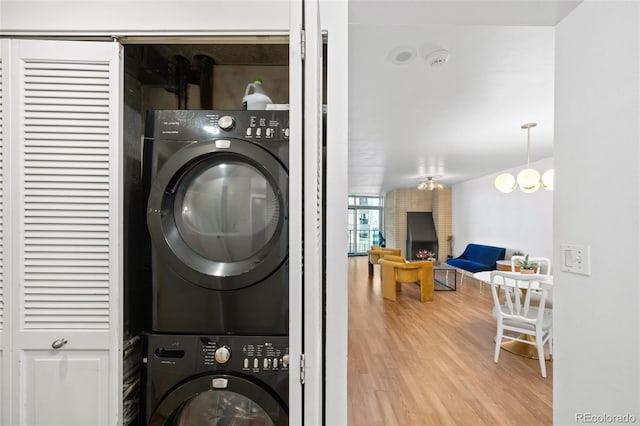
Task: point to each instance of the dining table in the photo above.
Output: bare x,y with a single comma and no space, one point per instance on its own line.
513,346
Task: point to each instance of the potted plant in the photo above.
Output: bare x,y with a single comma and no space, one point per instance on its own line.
527,266
425,254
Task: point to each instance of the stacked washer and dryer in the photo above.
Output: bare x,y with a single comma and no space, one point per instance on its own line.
217,216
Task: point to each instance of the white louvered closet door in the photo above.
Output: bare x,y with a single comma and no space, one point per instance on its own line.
65,205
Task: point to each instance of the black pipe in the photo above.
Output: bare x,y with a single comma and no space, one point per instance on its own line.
205,65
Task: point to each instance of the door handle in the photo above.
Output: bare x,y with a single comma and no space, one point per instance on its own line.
58,343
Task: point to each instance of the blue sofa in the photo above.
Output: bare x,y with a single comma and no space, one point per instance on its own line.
478,257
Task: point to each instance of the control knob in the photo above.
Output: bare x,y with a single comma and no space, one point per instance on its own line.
222,355
226,122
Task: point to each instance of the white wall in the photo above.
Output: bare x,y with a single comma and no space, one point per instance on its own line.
516,221
597,157
143,15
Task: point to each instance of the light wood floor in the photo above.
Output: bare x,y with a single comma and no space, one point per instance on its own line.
431,363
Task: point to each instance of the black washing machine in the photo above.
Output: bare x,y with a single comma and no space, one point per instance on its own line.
217,216
216,380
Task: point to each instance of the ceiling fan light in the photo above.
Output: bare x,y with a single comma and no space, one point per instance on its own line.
547,180
422,185
505,183
529,180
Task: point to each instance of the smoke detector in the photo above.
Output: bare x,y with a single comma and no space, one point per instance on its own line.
438,58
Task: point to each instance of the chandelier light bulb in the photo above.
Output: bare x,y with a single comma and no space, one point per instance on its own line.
505,183
528,180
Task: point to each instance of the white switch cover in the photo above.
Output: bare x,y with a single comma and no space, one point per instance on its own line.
575,258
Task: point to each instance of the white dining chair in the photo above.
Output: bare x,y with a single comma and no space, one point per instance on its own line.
517,317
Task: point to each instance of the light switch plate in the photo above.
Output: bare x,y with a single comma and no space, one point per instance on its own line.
575,258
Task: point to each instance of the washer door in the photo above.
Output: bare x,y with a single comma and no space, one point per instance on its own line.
218,213
221,400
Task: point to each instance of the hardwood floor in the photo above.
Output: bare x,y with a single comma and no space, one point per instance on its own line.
431,363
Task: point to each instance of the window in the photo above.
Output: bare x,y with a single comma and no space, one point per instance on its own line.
365,223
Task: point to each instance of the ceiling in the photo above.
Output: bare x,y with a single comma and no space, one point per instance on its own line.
460,120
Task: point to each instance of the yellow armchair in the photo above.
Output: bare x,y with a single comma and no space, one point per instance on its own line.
394,273
376,253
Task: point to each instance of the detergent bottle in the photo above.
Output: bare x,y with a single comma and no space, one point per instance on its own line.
255,97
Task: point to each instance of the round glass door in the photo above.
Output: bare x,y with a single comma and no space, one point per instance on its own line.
219,217
221,408
226,211
201,401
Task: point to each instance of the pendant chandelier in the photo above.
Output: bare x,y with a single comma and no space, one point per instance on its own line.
528,180
429,184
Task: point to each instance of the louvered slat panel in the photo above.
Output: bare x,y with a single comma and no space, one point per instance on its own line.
2,106
37,213
93,255
68,98
66,195
76,129
64,179
73,220
48,261
52,239
55,287
69,139
80,209
71,174
76,230
43,103
57,250
63,162
58,305
43,114
44,150
80,126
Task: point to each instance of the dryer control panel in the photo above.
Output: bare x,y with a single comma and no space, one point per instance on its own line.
266,127
199,125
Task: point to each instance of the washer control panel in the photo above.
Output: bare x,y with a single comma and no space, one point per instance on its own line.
243,353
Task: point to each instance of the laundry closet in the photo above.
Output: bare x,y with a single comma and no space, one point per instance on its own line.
206,232
77,292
